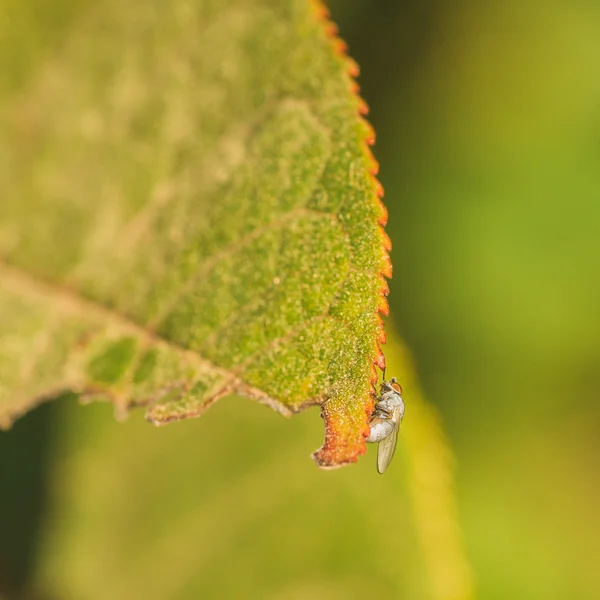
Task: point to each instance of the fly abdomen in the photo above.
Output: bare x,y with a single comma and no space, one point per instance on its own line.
380,429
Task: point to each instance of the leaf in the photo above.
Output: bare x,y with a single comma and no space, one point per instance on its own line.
190,212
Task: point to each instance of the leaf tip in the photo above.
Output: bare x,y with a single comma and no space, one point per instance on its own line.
384,307
354,71
341,446
380,360
363,107
374,166
383,216
387,266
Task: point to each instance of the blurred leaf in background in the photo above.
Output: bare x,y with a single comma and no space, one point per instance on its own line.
488,121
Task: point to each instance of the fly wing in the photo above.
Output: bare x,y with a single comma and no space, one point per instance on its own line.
386,449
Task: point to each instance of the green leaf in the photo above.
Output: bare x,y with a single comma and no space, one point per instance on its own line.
189,212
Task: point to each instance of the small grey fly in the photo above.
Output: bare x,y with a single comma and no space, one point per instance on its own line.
385,422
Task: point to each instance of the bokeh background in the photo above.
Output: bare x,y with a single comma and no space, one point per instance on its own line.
488,122
488,134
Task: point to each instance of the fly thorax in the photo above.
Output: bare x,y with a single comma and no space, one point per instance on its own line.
393,404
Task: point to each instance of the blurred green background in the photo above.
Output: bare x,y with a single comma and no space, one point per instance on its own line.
488,134
488,122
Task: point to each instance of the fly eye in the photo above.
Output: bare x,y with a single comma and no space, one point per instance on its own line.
397,387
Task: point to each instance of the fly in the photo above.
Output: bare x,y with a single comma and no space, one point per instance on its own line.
385,422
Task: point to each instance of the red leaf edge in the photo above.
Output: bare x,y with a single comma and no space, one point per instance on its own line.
333,454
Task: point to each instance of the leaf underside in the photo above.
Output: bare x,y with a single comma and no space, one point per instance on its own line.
189,210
